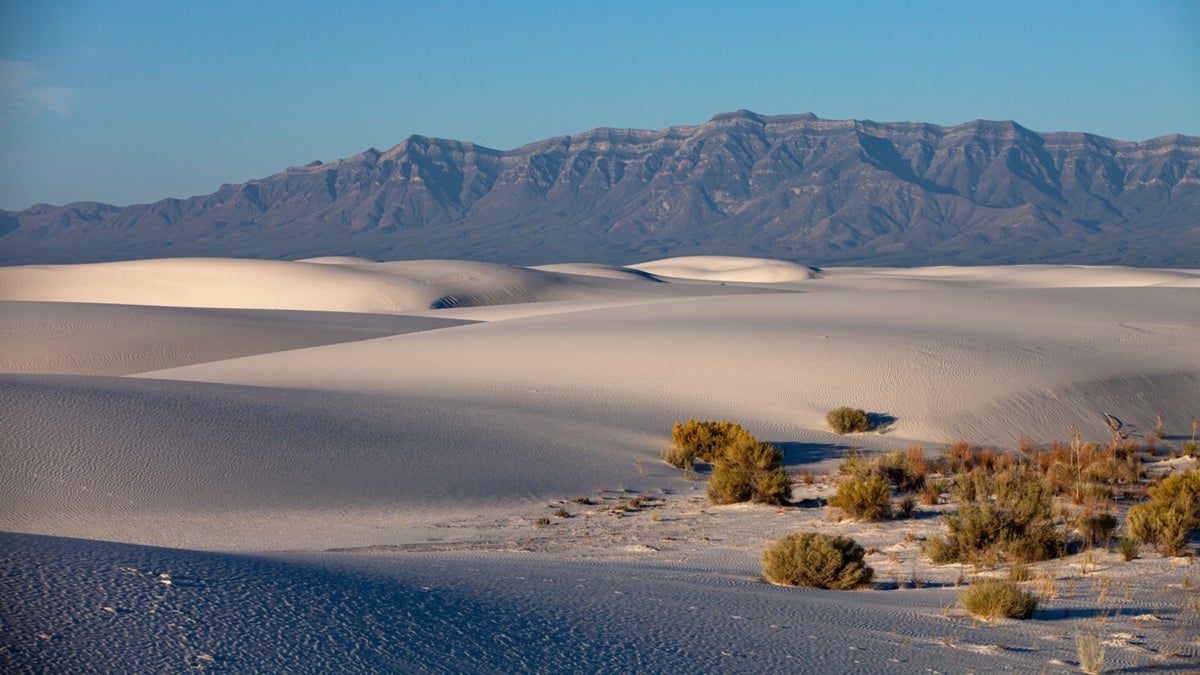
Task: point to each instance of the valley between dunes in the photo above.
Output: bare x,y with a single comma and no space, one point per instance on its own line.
339,465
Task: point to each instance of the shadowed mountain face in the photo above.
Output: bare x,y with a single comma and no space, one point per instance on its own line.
793,187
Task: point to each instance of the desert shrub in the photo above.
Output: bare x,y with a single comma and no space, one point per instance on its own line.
864,498
1018,525
1019,573
908,505
1098,528
854,464
900,469
990,599
959,457
1181,492
816,560
701,440
845,420
931,494
749,471
1158,525
1191,448
1128,548
1173,510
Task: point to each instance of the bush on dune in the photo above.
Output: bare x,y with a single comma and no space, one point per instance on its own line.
864,498
815,560
1017,525
991,599
749,470
701,440
1173,510
846,420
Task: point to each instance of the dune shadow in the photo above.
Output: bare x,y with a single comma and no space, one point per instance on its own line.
810,453
1053,614
882,423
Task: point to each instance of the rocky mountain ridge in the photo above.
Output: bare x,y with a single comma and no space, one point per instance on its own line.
795,187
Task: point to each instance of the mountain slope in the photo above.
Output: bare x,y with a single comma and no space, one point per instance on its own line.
795,187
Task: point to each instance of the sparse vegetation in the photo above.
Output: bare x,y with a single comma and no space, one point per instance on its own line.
1090,649
998,520
991,599
816,560
863,498
847,420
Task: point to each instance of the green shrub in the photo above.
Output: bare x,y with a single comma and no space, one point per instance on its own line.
749,471
1098,528
1158,525
1018,525
816,560
990,599
864,498
846,420
1173,510
1191,448
1128,548
701,440
1181,492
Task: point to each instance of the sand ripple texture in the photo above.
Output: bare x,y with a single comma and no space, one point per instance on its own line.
82,606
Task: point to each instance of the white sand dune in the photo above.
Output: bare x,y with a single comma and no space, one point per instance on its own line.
336,285
305,430
727,268
96,339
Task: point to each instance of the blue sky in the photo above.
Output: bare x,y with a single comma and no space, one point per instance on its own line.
129,102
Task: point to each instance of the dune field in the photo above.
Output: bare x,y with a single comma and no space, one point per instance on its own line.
339,465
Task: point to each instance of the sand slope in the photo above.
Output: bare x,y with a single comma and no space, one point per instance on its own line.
95,607
96,339
304,430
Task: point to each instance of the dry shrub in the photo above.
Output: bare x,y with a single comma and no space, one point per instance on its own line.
864,498
816,560
990,599
1160,526
1173,510
899,469
846,420
931,493
959,457
749,471
1018,525
701,440
1090,649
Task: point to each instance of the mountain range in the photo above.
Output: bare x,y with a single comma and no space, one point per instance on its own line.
796,187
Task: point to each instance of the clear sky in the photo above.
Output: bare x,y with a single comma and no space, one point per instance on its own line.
129,102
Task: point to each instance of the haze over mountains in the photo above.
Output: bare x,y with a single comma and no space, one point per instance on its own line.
793,187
